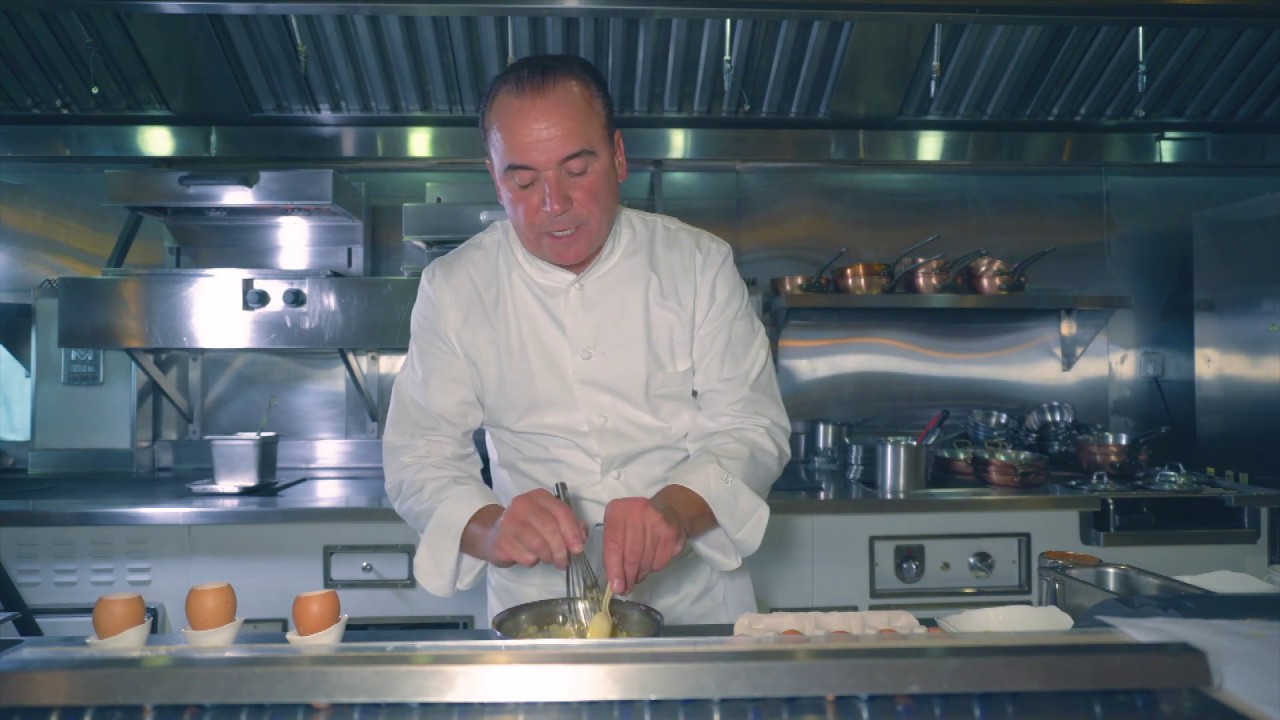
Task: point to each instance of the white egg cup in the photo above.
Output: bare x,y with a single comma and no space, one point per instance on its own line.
330,636
214,637
131,639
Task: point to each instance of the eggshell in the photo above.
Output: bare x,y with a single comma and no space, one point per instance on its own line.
117,612
316,611
211,605
791,632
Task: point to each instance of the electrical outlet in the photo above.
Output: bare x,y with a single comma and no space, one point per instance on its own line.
1151,365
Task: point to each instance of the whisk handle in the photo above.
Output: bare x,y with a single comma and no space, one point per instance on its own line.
562,492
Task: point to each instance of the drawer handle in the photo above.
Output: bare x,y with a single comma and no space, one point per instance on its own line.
366,567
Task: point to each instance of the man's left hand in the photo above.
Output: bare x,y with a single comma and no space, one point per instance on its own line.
643,535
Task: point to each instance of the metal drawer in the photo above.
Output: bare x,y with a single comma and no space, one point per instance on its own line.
368,566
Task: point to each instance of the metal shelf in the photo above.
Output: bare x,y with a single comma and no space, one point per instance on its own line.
1076,330
1039,301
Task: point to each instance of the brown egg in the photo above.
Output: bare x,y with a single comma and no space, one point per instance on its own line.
937,630
888,631
316,611
117,612
211,605
841,632
791,632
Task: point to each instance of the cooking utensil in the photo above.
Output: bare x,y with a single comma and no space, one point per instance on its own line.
1011,468
870,278
991,276
896,280
902,465
580,580
794,284
1117,453
601,625
941,277
534,619
815,283
934,425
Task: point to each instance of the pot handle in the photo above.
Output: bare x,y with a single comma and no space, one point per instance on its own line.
912,249
1017,270
896,278
958,265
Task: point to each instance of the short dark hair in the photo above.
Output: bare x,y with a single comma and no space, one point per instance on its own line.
538,74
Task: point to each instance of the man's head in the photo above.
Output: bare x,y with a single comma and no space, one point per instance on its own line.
555,156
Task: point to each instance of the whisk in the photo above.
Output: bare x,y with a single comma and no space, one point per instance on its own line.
581,586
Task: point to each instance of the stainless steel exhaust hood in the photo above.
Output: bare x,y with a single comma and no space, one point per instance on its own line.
212,197
279,219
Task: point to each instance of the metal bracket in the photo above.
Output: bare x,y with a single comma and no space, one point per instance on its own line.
655,182
1075,342
358,379
166,388
124,241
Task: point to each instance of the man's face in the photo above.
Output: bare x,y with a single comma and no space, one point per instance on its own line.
557,173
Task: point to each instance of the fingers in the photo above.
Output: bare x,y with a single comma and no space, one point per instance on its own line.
536,528
640,538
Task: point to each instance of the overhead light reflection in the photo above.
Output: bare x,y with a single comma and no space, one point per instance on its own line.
929,146
155,140
218,319
421,143
294,238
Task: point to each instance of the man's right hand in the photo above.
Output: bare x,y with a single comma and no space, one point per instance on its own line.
536,528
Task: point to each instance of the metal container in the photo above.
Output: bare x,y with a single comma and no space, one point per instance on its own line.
247,458
532,620
1077,588
827,443
902,465
1056,560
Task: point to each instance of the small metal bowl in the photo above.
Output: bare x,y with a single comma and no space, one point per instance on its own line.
525,621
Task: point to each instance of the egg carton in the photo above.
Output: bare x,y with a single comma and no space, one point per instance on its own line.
826,623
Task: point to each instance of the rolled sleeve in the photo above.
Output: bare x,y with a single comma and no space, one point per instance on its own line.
438,565
740,512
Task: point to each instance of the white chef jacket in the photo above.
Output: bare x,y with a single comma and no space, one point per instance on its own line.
647,369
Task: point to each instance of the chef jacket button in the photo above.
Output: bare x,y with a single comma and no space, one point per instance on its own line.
602,419
579,286
727,479
586,354
615,475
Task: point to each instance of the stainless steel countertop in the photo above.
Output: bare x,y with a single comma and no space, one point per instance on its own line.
590,671
346,496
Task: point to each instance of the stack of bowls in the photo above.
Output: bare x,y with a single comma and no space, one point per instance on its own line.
1010,468
987,427
1050,428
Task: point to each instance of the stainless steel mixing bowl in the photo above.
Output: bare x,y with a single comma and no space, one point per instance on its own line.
630,619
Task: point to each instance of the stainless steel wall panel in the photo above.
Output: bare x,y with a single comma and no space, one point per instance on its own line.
1237,335
893,370
309,388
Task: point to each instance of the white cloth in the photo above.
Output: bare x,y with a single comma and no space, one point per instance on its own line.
647,369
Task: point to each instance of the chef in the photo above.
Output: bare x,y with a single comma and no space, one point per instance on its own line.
608,348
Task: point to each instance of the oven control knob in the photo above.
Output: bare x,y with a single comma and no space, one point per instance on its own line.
909,569
981,564
294,298
256,298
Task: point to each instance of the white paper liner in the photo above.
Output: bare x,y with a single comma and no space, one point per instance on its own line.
825,623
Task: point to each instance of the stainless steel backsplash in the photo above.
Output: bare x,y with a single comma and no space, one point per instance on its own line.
1125,232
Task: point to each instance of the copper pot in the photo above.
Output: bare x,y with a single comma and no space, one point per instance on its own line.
990,276
850,279
938,276
953,461
871,278
1010,468
796,284
1116,453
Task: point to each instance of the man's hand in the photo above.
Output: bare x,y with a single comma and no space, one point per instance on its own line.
642,535
536,528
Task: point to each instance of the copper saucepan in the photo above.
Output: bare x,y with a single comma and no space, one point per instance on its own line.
816,283
939,276
1117,453
875,284
991,276
870,278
